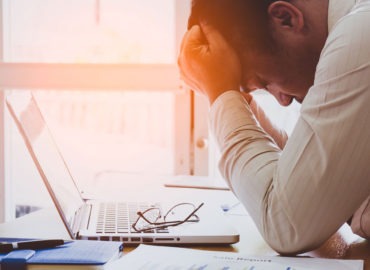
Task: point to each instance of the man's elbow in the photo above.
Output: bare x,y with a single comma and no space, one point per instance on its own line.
296,242
291,248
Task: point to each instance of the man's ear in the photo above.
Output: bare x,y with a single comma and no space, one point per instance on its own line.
286,16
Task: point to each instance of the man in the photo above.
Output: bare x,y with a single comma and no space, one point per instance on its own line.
300,190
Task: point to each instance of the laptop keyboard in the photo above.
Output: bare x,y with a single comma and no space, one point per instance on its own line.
118,217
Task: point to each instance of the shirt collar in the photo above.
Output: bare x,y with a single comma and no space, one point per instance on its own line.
337,9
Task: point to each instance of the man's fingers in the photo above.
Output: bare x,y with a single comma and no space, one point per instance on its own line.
194,39
185,37
189,82
212,36
191,45
185,43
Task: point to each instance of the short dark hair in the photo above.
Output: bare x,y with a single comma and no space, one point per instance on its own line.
244,23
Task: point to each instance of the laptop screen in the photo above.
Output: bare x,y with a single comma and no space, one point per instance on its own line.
45,153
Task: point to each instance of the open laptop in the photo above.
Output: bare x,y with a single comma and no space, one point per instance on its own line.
100,220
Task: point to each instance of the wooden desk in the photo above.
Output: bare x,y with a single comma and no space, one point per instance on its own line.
46,223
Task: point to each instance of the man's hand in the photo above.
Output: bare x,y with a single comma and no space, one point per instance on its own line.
207,62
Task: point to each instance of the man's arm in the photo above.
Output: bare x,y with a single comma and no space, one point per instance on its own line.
300,196
279,135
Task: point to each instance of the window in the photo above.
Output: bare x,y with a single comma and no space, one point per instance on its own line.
91,31
105,76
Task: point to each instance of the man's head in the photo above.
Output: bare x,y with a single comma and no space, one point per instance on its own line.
244,23
278,42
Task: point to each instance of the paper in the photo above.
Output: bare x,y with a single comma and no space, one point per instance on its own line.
172,258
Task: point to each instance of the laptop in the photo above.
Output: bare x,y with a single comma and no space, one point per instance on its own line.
94,219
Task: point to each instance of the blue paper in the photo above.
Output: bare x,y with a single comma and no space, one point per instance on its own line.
16,260
76,252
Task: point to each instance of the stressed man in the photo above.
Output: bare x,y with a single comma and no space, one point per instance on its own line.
299,190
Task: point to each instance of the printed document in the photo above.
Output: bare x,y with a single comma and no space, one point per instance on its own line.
147,257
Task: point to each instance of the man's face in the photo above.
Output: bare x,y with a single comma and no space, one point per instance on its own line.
285,76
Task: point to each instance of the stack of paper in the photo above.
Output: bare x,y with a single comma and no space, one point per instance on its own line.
171,258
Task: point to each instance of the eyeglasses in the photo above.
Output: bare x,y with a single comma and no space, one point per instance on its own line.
152,219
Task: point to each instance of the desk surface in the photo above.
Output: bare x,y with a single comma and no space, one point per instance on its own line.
46,223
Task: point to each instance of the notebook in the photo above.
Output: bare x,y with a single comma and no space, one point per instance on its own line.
79,255
93,219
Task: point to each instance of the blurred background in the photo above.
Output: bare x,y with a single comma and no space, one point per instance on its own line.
151,124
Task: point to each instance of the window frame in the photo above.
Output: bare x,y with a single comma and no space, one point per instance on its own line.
100,77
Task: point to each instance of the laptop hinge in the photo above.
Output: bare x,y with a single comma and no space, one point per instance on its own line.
82,218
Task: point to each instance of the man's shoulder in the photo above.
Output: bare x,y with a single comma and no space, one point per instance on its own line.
346,52
359,12
351,31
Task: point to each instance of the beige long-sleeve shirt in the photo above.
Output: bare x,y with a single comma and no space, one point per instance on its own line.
299,196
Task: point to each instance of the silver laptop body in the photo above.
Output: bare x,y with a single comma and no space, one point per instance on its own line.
103,220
